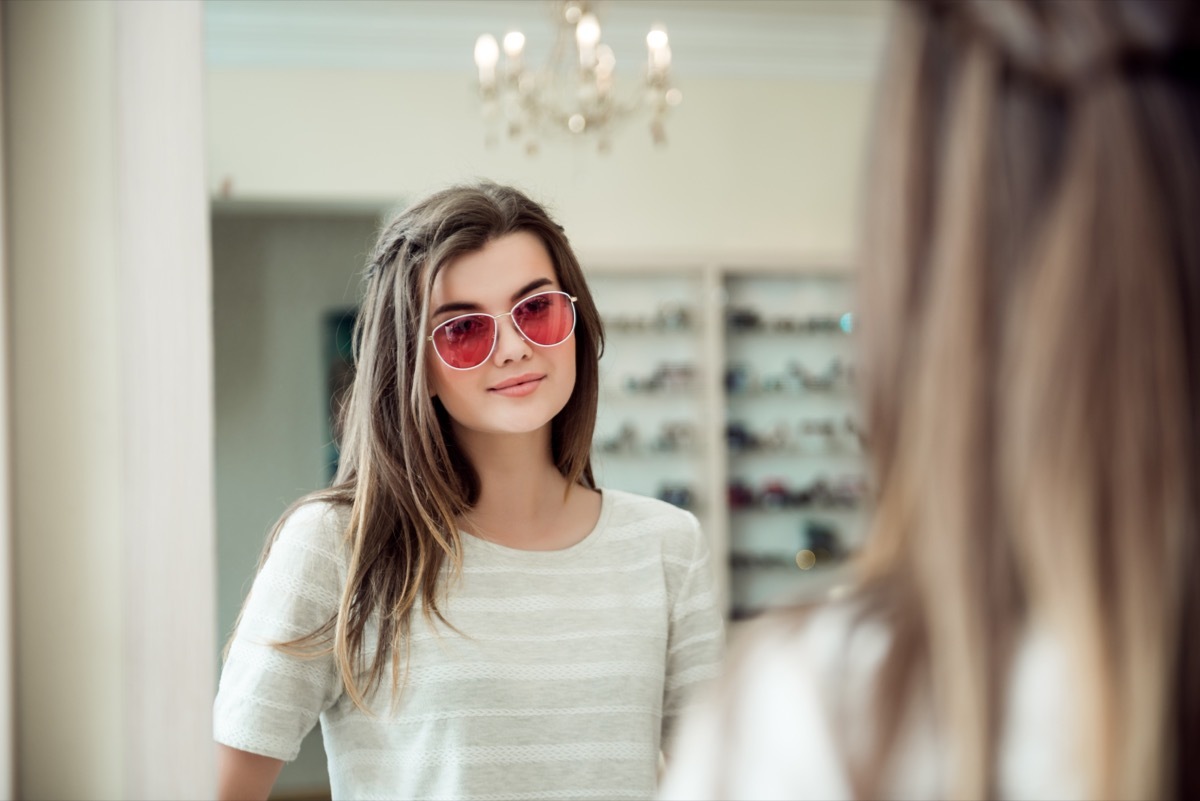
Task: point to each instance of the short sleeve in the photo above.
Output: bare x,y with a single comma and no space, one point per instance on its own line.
267,701
696,637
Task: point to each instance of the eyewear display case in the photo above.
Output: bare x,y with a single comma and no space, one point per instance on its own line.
729,390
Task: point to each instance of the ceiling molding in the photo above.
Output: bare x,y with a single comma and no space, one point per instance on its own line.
709,38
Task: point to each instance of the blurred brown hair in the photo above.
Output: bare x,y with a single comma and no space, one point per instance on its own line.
1030,314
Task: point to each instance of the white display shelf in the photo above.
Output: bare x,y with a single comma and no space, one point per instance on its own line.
670,345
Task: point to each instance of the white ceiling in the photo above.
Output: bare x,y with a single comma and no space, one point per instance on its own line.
834,39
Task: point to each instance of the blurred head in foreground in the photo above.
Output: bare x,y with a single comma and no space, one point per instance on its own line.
1025,620
1030,306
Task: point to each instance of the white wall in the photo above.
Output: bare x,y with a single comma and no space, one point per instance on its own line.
753,167
275,276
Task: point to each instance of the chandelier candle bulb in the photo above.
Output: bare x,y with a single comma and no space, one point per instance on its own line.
587,35
514,45
659,50
487,53
587,32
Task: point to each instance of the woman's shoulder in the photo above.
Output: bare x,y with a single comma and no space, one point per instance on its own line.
826,633
785,685
629,506
298,585
833,647
317,516
649,518
826,660
314,526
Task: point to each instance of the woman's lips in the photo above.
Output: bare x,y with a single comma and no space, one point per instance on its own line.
518,387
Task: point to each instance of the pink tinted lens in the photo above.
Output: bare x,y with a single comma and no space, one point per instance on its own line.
465,342
545,319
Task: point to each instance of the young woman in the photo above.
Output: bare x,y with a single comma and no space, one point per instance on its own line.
463,610
1027,619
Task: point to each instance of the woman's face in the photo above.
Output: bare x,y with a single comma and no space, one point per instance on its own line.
521,386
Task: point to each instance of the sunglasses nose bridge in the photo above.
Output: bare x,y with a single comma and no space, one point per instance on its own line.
512,319
502,345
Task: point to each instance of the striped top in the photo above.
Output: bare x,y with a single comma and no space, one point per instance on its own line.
569,670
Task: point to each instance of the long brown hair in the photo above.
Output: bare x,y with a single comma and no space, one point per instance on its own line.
1030,321
400,472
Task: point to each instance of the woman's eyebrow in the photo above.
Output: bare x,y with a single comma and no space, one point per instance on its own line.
532,285
470,307
455,307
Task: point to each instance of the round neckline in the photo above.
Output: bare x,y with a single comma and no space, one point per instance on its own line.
537,555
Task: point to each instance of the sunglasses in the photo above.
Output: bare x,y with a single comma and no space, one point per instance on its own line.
467,341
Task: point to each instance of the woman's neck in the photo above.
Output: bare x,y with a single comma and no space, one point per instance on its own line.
524,502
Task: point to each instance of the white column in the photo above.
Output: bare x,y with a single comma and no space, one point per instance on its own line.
111,413
165,349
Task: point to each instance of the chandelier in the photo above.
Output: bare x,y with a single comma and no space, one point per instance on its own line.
574,94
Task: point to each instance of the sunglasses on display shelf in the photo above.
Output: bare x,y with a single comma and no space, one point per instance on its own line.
467,341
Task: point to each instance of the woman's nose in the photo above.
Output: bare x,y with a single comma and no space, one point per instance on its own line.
511,344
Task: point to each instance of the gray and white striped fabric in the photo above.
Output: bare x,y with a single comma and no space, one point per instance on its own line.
569,670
